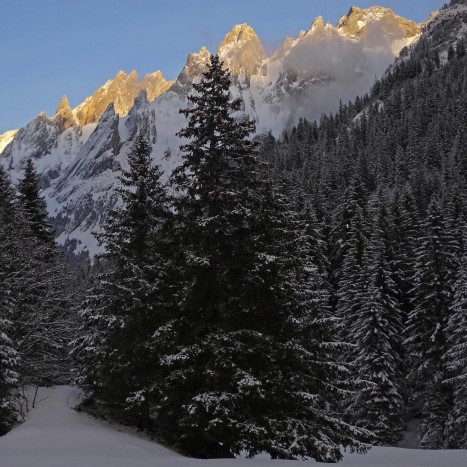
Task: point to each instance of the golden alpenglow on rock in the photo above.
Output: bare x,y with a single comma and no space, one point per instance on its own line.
155,84
361,23
121,91
242,51
318,23
64,115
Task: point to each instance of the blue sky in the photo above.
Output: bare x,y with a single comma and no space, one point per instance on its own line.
53,47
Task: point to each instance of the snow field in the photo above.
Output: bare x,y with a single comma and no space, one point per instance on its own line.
54,435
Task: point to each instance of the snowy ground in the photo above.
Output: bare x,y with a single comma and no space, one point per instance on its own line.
56,436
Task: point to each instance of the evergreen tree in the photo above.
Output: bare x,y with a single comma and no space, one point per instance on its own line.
33,204
128,297
396,146
251,366
376,329
426,327
406,225
316,248
42,322
9,359
352,283
9,380
456,364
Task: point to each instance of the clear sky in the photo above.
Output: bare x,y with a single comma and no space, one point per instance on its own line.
53,47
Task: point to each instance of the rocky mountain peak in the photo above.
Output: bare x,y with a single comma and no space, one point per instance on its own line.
318,23
141,118
203,52
284,49
375,23
64,115
354,10
63,105
305,77
121,91
318,27
155,84
239,33
195,65
198,60
242,51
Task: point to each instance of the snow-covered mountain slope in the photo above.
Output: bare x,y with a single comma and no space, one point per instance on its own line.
446,28
54,435
6,138
79,152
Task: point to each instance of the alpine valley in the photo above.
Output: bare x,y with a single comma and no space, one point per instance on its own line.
79,152
252,261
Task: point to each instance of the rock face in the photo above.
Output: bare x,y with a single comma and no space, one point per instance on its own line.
377,26
241,51
194,67
154,84
141,118
64,115
80,152
121,92
357,22
37,138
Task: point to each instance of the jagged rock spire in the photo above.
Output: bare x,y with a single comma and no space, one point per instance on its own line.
357,23
241,50
63,105
121,91
64,115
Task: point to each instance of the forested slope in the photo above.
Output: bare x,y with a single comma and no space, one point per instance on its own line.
386,177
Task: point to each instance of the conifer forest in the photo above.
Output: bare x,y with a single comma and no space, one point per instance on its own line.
295,296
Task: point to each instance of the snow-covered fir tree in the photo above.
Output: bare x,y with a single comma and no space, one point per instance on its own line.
9,358
426,327
128,295
375,328
35,207
42,319
34,321
352,280
455,359
405,235
250,365
9,378
389,141
349,232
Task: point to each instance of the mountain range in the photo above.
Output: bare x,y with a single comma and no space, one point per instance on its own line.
79,152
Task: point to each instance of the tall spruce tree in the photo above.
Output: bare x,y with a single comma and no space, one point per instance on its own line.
127,298
352,281
426,326
9,378
456,364
406,225
375,328
43,323
34,205
9,268
349,233
249,364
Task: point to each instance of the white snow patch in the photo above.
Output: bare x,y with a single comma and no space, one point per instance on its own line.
54,435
